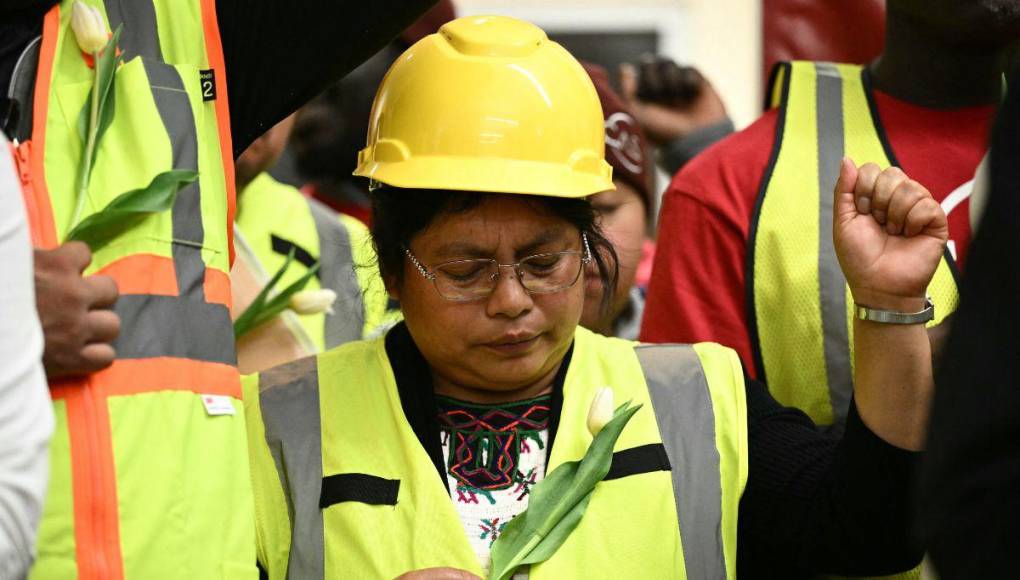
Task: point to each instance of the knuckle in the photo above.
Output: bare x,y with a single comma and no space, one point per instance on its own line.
79,295
894,172
870,169
917,189
78,252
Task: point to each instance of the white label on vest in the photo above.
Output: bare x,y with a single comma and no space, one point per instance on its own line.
218,405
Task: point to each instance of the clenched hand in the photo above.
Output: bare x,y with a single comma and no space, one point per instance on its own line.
77,322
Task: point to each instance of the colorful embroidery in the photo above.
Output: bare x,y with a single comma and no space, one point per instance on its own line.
487,440
525,483
494,456
491,529
468,494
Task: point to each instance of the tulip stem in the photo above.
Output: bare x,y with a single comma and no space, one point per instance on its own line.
85,169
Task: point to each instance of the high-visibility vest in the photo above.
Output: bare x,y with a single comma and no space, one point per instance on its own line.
146,481
344,488
800,310
275,219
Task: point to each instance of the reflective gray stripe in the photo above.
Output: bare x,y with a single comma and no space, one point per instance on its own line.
151,325
170,326
174,108
337,272
686,418
831,282
140,36
289,400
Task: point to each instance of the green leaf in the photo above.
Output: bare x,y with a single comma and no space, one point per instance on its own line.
106,67
557,503
263,309
244,323
129,208
281,301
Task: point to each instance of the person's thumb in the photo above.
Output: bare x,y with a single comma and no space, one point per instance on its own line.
628,82
844,205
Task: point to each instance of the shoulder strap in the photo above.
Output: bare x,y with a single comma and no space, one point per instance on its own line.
289,403
686,418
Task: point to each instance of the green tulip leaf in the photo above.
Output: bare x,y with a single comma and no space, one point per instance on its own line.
263,309
557,503
106,65
281,301
127,209
245,322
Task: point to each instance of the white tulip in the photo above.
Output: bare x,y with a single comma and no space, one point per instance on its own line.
313,301
601,410
89,27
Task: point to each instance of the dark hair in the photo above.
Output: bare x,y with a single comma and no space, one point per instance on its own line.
400,214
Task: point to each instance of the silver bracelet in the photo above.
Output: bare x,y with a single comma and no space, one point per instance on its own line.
894,317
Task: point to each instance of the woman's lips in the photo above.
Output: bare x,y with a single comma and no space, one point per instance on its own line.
514,345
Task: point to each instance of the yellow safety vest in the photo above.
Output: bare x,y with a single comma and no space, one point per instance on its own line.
800,308
146,481
275,218
344,489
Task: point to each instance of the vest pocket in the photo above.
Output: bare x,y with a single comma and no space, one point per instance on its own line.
638,460
359,487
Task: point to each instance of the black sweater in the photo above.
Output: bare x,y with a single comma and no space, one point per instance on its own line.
812,504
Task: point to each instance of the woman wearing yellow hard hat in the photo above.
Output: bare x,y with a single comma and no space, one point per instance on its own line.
479,436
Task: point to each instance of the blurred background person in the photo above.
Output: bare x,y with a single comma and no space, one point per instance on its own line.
26,414
623,215
742,256
677,107
330,130
970,501
274,219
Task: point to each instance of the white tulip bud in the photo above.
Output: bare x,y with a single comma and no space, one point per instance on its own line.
601,410
313,301
89,27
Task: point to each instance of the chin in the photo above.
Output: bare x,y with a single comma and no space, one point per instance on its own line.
507,373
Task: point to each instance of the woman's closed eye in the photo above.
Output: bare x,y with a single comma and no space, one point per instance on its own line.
542,265
464,272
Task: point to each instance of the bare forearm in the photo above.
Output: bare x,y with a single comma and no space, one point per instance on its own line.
890,235
893,381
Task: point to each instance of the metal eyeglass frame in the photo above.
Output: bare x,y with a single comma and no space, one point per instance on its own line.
430,275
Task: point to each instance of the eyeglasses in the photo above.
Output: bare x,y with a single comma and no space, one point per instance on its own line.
476,279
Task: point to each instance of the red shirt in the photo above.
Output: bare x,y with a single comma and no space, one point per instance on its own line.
697,289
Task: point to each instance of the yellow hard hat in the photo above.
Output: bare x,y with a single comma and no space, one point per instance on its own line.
489,104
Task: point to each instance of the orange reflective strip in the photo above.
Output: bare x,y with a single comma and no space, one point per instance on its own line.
143,274
217,286
174,374
94,483
168,374
44,232
214,55
152,274
23,162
